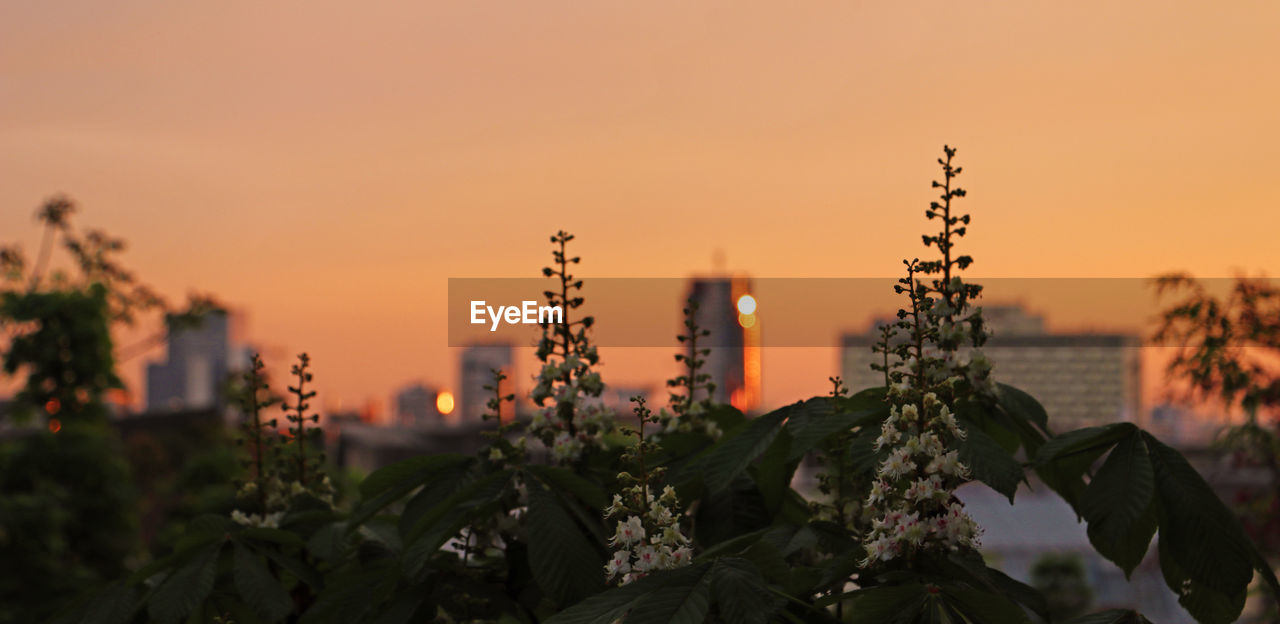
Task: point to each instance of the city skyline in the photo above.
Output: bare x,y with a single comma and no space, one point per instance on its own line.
1012,324
347,170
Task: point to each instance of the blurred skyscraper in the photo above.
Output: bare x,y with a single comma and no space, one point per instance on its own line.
195,367
477,364
416,405
1082,379
727,309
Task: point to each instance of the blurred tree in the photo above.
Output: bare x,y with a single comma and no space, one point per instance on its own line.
1228,350
67,520
68,504
66,499
1227,346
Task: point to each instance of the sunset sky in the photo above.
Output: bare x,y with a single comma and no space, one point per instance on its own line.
326,167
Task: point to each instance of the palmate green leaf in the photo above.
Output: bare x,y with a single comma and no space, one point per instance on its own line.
1087,442
352,593
567,565
186,589
917,603
382,532
1016,420
259,588
448,518
1019,403
408,472
1119,504
444,483
1063,461
974,570
684,602
813,421
887,604
564,479
401,608
1207,604
740,592
731,512
117,604
277,536
981,607
863,456
329,541
203,531
774,472
766,555
229,606
609,606
297,568
809,422
1144,485
990,462
681,596
726,416
478,599
730,457
1111,616
389,484
1204,553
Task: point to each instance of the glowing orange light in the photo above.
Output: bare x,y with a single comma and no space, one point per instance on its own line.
119,396
55,425
747,305
444,402
52,406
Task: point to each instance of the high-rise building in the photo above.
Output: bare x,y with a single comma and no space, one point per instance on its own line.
477,363
1082,379
195,366
415,404
727,309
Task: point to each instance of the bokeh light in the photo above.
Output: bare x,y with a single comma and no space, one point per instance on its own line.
444,402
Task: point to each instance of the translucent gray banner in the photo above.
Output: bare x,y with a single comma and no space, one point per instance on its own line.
806,312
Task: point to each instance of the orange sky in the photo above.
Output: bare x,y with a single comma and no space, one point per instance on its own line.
327,167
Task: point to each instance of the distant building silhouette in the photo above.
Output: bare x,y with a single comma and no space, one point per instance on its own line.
734,361
477,363
416,405
1082,379
195,367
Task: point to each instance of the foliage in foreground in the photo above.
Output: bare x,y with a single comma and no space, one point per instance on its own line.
501,536
68,507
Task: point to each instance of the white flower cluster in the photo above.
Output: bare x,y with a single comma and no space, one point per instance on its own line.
549,381
828,511
914,484
259,521
977,370
692,420
276,497
649,539
590,421
497,456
